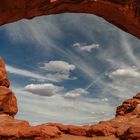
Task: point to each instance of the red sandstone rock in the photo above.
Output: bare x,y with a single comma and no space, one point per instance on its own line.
17,129
133,133
3,76
8,102
102,130
129,106
73,130
126,125
137,96
125,14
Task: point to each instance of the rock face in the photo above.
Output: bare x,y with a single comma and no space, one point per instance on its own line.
129,106
8,102
125,126
3,76
125,14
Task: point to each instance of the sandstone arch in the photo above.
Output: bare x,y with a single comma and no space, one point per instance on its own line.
122,13
125,14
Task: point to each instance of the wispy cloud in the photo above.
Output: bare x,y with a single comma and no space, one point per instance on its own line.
26,73
56,71
76,93
39,33
78,111
128,50
87,48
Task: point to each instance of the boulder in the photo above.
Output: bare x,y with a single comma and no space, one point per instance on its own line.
8,102
3,75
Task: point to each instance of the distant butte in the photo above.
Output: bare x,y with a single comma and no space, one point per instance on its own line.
125,14
125,126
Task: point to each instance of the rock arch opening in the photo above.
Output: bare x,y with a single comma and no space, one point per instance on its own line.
78,63
124,71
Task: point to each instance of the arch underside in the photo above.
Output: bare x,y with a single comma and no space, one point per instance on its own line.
122,13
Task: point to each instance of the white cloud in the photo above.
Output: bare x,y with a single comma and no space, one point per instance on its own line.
59,70
82,64
72,94
44,89
26,73
125,77
87,48
125,74
58,67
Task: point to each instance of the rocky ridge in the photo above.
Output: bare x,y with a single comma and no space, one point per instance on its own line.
125,126
125,14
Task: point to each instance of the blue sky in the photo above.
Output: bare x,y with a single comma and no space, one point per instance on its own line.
70,68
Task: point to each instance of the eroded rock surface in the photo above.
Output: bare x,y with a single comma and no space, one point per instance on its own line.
125,126
8,102
125,14
3,75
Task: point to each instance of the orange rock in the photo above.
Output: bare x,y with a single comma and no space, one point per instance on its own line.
8,102
74,130
128,106
3,76
137,96
102,130
133,133
112,137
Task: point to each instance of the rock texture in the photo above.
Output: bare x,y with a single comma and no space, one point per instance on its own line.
8,102
125,14
3,76
125,126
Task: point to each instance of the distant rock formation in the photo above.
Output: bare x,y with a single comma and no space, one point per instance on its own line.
125,14
125,126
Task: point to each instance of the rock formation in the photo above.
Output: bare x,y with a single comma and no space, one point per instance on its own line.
8,103
3,76
125,126
125,14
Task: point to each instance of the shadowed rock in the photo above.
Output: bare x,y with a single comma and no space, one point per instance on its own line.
8,102
3,76
125,14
